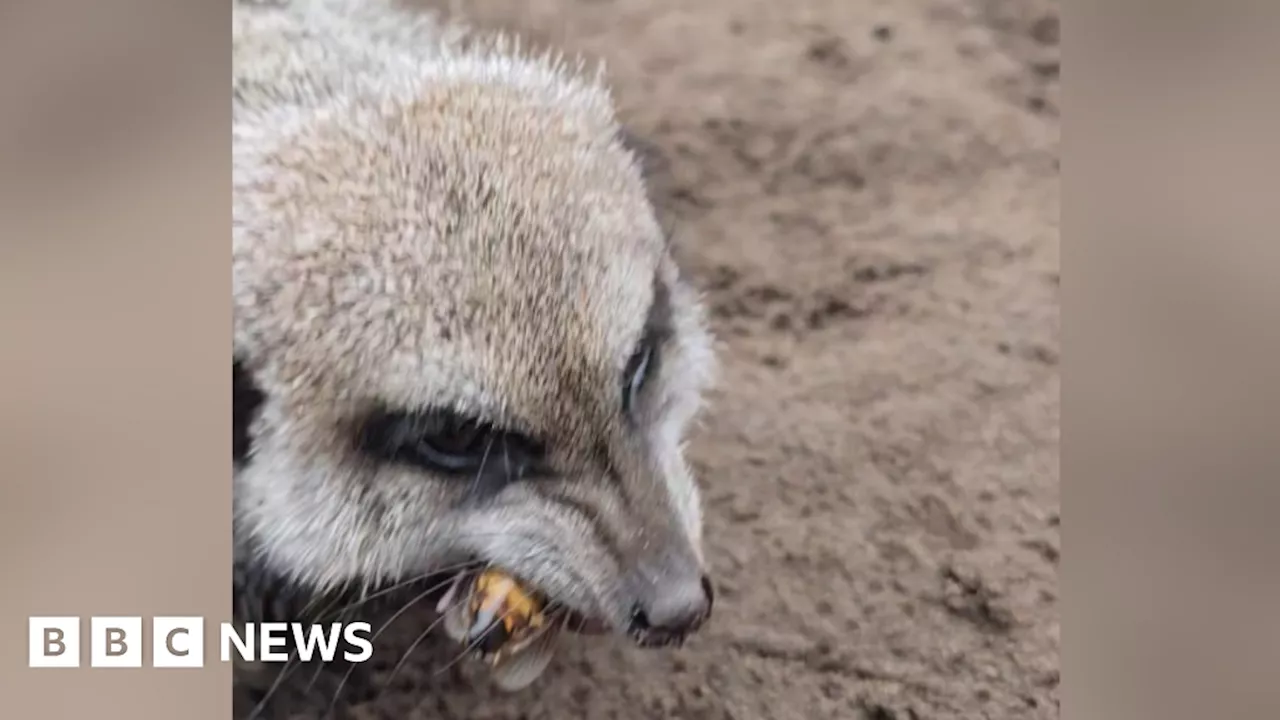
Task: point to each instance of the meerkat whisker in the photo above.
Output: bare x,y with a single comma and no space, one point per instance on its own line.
413,646
403,609
447,569
475,481
290,665
320,667
387,624
432,626
472,645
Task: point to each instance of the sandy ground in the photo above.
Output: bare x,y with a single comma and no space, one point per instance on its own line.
868,192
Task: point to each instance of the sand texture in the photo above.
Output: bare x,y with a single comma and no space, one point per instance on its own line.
867,190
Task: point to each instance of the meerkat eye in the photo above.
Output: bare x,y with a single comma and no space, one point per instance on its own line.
637,373
644,362
454,444
444,442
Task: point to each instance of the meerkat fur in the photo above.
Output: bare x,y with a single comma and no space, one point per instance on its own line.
427,219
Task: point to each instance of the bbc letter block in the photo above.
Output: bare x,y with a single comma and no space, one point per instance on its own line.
177,642
115,642
53,642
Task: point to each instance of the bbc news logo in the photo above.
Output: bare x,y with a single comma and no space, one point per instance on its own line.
178,642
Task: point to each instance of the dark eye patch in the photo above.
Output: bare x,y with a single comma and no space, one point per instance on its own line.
644,362
442,441
246,401
639,368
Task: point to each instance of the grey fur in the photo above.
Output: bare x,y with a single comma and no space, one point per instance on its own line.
427,217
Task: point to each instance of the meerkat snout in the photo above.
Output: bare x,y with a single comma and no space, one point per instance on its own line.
460,336
671,607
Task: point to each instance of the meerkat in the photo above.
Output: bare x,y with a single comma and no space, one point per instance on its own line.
460,334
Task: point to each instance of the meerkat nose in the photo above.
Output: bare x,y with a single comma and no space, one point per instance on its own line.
674,609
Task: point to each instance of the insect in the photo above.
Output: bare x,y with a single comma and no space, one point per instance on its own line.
502,623
502,617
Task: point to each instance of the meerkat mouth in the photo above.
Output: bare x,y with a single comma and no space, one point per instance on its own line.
508,625
534,601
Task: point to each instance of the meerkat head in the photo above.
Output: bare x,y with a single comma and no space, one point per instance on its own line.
460,335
